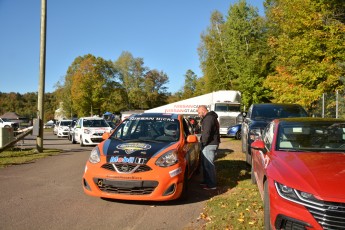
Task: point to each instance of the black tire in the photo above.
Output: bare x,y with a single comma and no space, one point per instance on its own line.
73,139
81,141
238,135
267,215
252,175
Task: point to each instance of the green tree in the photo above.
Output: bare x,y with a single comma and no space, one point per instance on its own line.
212,56
233,53
131,74
155,89
246,49
190,83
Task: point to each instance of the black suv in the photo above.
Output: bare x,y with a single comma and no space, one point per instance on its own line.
257,118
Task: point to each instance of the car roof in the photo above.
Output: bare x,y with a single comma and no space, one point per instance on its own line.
92,118
310,120
164,115
276,104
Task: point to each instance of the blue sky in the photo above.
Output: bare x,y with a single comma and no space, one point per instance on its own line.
166,34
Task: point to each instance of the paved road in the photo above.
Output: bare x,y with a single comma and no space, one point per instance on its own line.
47,194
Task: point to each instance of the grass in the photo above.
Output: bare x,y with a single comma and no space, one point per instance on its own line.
20,156
238,205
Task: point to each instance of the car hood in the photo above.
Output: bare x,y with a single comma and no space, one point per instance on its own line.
131,150
321,174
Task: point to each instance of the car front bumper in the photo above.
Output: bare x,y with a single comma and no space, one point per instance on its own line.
157,184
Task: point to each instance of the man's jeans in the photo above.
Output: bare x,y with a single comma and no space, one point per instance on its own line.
209,153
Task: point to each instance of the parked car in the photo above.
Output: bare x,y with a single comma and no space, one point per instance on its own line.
63,128
149,156
299,166
235,131
89,130
49,125
259,115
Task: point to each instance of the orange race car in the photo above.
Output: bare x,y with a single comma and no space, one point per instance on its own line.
149,156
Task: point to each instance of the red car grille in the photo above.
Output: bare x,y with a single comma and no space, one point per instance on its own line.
131,187
126,168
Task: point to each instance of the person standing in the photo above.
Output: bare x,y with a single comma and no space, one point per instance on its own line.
210,139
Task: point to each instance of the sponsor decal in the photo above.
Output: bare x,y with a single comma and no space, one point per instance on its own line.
175,172
130,160
132,147
124,177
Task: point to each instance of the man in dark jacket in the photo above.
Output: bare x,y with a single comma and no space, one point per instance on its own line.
210,139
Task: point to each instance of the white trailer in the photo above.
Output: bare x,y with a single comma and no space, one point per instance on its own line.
226,103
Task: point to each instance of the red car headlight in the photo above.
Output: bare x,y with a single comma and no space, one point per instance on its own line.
294,195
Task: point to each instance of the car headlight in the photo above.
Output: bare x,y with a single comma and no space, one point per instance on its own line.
87,131
294,195
95,156
167,159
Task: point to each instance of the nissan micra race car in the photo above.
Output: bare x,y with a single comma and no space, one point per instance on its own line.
149,156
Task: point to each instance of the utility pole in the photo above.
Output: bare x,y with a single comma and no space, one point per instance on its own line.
41,86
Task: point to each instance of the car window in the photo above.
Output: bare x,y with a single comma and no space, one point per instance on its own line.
272,111
268,135
65,123
95,123
316,136
188,130
150,128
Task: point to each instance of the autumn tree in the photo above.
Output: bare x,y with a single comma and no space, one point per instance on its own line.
307,38
87,85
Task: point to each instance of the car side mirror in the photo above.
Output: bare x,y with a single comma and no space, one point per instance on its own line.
192,139
258,145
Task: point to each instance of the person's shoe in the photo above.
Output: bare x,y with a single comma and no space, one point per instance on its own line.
209,188
203,184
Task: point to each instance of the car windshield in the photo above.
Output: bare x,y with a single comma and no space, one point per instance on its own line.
65,123
271,112
95,123
312,136
148,129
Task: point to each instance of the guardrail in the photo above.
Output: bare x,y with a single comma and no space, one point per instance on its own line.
19,136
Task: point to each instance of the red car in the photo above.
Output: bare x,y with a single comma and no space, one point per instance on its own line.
299,167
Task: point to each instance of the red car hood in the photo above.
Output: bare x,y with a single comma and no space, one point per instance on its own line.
322,174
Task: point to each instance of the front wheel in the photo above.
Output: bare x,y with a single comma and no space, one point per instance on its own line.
267,215
252,175
81,141
238,135
73,139
184,193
